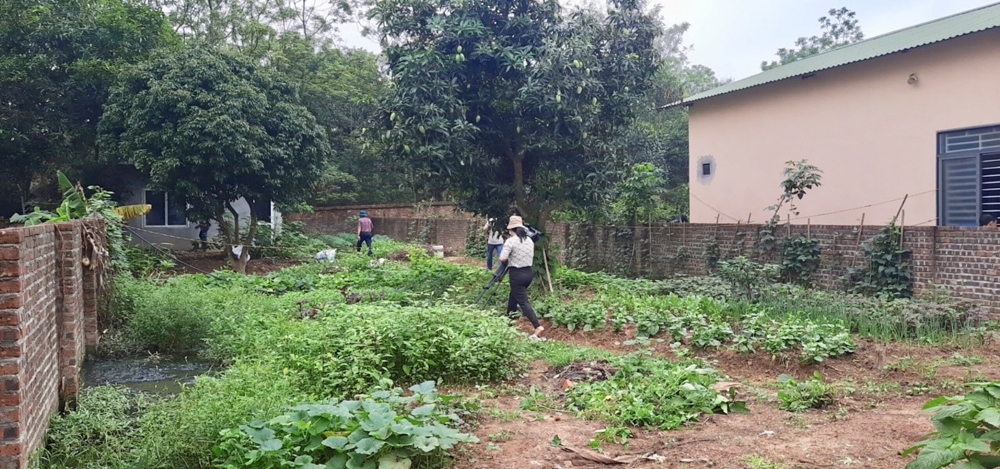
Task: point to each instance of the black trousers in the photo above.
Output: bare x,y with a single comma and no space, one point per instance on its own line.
520,280
365,238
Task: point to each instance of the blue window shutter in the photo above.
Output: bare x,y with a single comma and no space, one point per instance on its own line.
959,191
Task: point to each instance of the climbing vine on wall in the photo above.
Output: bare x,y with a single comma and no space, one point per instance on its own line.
888,270
800,258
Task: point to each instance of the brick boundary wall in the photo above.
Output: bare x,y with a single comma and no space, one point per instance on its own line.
342,219
965,260
48,315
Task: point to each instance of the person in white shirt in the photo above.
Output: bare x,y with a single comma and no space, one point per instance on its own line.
494,241
518,254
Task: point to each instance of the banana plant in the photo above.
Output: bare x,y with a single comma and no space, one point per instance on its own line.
75,206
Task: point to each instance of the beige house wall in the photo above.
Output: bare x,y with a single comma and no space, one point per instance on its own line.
873,134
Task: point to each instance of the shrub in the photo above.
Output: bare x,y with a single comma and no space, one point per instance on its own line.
386,428
798,396
747,277
353,347
172,317
651,392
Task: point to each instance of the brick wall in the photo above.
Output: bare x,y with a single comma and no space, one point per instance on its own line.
965,260
48,307
332,220
449,233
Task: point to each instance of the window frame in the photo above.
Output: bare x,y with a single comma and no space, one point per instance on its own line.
166,212
971,154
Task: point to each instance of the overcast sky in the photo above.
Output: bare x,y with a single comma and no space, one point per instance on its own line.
734,36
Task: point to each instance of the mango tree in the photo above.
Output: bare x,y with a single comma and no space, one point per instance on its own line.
513,102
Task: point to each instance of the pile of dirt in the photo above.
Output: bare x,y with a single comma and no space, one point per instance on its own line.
585,372
401,255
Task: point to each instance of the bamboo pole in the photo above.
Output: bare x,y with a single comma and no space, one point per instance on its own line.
902,225
548,274
900,208
861,230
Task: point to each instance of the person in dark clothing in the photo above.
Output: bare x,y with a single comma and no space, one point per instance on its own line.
987,220
203,228
518,254
365,228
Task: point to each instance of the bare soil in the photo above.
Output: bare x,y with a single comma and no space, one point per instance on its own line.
196,262
881,390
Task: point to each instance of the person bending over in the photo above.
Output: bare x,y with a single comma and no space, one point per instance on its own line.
518,253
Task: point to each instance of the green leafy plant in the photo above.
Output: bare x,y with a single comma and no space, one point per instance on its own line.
800,258
796,396
747,278
651,392
800,176
888,271
968,431
386,429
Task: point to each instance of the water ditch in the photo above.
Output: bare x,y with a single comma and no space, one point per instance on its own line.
153,374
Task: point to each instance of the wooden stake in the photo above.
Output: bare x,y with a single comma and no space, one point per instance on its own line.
788,226
861,229
809,228
900,208
902,225
717,226
749,217
548,274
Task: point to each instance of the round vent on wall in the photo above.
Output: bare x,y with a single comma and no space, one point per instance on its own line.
706,168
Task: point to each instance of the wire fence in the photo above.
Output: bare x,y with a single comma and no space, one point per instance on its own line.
819,215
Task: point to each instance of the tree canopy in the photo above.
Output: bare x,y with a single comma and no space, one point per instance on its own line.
508,101
839,29
57,61
212,127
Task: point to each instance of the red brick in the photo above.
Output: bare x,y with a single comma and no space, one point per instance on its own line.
10,269
10,415
10,301
10,399
10,253
10,449
10,351
10,285
10,236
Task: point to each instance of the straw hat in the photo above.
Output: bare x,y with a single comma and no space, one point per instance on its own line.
515,222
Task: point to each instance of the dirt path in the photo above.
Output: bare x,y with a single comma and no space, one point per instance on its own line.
876,416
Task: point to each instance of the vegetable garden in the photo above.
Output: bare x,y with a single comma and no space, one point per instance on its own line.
360,364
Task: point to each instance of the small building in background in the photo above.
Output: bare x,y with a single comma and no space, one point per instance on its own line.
914,112
166,225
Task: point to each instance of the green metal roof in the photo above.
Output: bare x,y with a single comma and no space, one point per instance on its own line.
938,30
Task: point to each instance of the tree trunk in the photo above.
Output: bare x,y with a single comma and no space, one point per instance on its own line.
239,263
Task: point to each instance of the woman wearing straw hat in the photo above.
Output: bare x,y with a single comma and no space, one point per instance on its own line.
518,254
